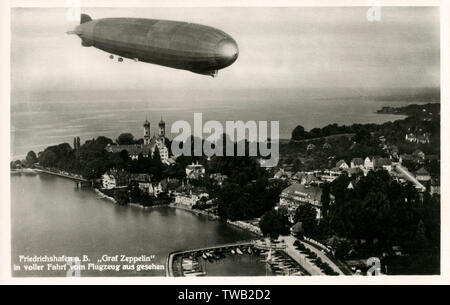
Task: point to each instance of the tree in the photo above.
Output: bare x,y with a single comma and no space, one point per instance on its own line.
135,193
48,158
274,224
121,197
362,136
325,199
297,165
307,215
124,155
31,158
125,139
299,133
156,155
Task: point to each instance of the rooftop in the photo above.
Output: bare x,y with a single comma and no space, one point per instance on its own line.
298,189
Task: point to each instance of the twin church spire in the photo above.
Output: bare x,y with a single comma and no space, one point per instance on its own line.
161,130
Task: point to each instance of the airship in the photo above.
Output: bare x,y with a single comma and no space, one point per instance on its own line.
181,45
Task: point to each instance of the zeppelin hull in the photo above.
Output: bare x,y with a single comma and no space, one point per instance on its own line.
179,45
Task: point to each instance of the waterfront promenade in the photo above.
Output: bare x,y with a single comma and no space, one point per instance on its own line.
303,260
299,257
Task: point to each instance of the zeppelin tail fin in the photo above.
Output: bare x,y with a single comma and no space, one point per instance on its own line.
85,18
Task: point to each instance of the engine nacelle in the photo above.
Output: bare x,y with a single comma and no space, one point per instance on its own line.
212,73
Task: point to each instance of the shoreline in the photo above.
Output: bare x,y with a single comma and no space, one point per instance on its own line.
132,204
104,196
238,224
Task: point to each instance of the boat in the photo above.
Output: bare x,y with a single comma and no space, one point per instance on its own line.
269,256
204,256
249,250
233,252
238,251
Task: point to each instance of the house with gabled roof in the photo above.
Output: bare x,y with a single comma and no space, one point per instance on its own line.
342,164
297,194
422,175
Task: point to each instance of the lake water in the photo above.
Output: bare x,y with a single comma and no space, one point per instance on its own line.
51,217
38,121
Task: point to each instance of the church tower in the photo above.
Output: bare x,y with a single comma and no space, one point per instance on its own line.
146,132
162,128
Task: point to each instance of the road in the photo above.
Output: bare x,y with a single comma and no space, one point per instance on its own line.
300,257
409,176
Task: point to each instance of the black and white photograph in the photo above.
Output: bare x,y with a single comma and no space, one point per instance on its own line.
214,140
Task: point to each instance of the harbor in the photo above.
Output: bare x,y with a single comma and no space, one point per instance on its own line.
211,260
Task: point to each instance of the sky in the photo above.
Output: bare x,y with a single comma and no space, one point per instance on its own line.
279,48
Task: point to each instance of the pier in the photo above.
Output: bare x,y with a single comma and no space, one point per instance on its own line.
79,181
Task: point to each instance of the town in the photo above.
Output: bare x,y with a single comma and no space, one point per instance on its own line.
387,176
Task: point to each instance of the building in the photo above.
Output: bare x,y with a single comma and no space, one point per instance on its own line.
155,189
410,158
147,149
146,132
418,138
368,163
422,175
282,174
143,181
419,154
162,128
342,164
218,177
435,187
297,194
191,197
310,179
354,171
330,175
195,171
376,162
115,178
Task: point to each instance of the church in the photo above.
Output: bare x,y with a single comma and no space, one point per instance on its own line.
149,146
